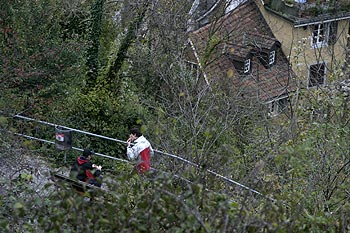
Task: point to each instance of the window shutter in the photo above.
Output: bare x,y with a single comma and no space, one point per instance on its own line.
333,29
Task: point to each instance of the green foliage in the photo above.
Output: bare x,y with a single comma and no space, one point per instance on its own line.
3,122
113,70
35,58
74,24
142,81
92,61
213,42
313,168
131,204
101,112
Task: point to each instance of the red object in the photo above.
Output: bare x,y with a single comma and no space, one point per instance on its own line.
89,176
145,164
88,173
60,137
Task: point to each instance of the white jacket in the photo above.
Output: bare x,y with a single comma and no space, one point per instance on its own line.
141,143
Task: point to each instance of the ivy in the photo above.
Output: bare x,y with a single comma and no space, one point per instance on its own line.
92,61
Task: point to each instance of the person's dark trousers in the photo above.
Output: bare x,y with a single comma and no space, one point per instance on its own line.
96,182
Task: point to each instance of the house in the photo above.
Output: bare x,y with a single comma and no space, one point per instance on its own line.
313,33
241,47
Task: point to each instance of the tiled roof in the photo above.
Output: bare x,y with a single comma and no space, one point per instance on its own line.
240,34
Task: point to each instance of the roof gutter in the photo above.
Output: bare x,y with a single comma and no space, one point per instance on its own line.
279,14
316,20
322,21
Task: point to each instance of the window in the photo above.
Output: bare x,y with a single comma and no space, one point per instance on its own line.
317,75
267,57
246,66
319,34
278,105
324,34
193,68
272,57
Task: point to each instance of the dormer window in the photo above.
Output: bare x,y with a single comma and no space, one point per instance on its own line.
272,57
246,66
241,58
267,57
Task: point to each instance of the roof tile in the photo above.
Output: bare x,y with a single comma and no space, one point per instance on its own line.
240,33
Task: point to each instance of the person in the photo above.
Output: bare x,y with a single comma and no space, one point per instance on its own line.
140,152
83,169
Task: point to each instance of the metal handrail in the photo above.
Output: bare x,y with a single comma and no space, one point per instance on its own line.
124,142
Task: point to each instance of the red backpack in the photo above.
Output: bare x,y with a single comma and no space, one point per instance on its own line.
145,164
